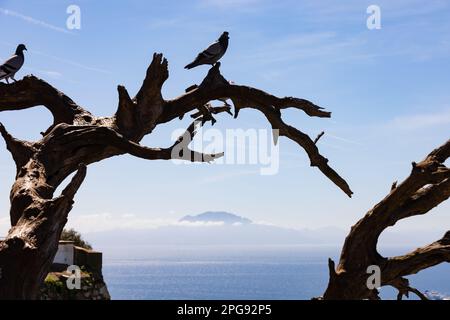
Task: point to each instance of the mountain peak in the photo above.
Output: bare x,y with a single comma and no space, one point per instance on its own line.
217,216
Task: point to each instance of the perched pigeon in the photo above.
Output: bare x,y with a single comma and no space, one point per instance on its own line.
9,68
212,54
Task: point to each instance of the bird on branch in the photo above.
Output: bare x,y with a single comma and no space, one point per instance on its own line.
213,53
10,67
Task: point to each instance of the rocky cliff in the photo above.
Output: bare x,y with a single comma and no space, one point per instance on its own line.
92,287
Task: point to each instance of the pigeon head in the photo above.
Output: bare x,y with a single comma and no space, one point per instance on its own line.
223,40
224,36
20,48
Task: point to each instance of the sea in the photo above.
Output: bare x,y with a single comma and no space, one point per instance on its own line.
238,273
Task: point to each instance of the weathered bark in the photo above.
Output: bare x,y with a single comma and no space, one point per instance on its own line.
77,138
427,186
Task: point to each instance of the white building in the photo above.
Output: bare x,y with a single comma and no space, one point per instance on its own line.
65,253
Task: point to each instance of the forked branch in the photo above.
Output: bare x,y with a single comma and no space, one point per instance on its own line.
216,87
77,138
426,187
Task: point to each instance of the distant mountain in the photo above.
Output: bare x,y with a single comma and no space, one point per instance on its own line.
217,216
203,230
213,229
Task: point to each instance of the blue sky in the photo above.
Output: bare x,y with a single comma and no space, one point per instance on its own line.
388,90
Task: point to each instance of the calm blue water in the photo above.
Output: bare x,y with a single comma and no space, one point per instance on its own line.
275,273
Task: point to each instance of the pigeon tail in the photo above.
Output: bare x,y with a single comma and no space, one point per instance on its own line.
3,73
191,65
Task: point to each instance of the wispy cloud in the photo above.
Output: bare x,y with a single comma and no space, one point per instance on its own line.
339,143
355,10
196,27
59,59
421,121
409,126
402,35
346,140
52,74
107,221
229,175
34,21
71,62
330,47
158,23
49,73
228,4
319,45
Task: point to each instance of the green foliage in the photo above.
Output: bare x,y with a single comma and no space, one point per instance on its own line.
72,235
54,284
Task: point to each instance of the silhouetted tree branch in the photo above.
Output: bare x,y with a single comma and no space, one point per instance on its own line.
427,186
77,138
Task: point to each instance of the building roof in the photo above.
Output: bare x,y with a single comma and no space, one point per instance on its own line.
66,242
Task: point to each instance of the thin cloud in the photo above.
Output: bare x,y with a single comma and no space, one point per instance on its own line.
52,74
49,73
198,27
421,121
227,4
333,146
166,23
65,61
229,175
321,45
355,10
343,139
72,63
108,222
412,125
34,21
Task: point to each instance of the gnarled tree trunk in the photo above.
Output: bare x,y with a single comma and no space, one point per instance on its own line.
427,186
77,138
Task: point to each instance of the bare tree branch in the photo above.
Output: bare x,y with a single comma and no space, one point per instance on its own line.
31,92
421,258
320,135
77,139
402,285
21,151
138,116
71,189
426,187
216,87
303,140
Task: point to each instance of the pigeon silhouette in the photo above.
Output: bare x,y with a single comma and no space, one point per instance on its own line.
9,68
212,54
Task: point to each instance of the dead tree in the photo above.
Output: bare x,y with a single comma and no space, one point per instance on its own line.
427,186
77,138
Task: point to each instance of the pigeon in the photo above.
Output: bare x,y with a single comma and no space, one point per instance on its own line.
212,54
9,68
